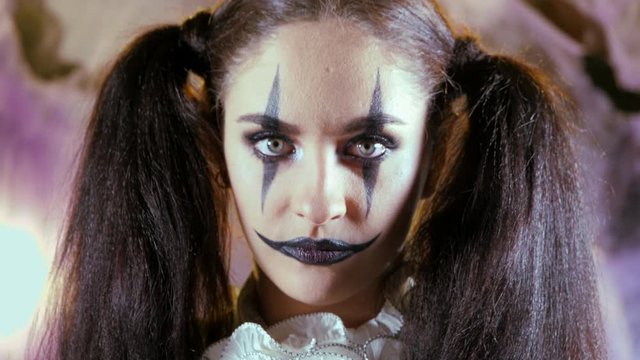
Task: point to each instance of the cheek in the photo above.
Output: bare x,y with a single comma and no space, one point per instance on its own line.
245,175
392,217
398,188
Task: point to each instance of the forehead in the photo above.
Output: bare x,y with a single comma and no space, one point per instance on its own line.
328,72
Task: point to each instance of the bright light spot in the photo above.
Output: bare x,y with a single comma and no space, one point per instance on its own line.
23,272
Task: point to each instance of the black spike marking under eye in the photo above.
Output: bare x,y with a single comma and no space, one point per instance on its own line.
370,169
272,112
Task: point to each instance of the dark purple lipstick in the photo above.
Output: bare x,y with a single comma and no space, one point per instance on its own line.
316,252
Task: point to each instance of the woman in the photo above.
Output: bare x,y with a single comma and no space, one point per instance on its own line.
401,190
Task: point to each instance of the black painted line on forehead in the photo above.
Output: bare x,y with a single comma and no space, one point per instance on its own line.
272,112
375,109
370,170
273,105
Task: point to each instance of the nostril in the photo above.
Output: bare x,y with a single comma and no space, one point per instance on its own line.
303,210
338,213
338,209
318,216
318,206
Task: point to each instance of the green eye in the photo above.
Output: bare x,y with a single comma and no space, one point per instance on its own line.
274,147
368,149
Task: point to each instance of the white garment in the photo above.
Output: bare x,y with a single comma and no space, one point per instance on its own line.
314,336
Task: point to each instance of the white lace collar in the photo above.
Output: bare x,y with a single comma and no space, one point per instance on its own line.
312,336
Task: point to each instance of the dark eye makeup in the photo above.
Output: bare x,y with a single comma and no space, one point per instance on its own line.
369,147
273,146
263,142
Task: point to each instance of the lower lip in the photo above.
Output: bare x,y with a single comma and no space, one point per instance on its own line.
316,257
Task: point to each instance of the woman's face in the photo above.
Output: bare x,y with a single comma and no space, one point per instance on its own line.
324,143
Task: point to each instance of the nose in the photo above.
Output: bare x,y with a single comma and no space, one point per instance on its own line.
319,195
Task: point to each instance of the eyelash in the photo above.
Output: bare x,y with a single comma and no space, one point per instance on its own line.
389,143
255,138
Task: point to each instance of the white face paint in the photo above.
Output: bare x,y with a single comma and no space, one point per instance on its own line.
329,133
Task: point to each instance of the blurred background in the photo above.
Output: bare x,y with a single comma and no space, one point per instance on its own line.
54,53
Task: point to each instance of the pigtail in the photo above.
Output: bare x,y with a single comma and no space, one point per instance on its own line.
503,264
143,259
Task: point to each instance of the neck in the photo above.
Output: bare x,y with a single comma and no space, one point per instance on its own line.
274,305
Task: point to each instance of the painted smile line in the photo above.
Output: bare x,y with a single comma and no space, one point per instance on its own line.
316,252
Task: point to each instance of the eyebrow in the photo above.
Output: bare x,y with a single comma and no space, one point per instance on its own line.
377,121
270,123
360,124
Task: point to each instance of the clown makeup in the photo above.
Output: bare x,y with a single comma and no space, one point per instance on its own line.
271,124
316,251
344,121
370,169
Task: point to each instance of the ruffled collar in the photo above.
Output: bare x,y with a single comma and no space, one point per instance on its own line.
309,336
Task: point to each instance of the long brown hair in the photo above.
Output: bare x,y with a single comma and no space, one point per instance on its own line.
501,257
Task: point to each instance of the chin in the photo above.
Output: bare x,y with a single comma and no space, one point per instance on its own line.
317,288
